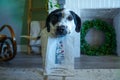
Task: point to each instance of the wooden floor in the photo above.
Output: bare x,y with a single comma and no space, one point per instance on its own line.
97,62
29,67
22,60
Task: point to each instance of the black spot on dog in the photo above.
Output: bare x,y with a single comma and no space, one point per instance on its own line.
54,17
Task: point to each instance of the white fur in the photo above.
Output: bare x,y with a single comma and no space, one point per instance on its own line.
70,24
64,21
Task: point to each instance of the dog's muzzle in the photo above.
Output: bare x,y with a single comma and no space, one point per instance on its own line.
61,31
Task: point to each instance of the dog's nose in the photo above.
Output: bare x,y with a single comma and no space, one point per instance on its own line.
61,28
61,31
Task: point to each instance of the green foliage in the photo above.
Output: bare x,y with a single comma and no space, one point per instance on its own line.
52,5
109,46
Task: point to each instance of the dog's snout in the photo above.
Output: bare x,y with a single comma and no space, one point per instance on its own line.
61,30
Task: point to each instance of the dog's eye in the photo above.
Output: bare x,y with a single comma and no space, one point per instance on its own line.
70,18
54,20
54,17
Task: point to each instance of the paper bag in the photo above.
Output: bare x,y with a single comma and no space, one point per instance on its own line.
60,56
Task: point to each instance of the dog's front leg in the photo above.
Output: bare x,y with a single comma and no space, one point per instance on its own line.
44,40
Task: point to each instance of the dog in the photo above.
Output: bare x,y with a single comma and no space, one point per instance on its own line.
59,23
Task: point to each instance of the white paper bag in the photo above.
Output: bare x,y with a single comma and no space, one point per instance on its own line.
60,56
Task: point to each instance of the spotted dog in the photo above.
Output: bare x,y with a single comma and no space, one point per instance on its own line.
59,23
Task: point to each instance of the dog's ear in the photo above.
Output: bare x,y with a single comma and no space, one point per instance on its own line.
48,23
77,21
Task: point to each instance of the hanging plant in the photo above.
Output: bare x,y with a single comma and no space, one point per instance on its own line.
109,45
53,4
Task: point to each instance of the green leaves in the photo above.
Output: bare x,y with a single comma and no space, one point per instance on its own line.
52,5
109,45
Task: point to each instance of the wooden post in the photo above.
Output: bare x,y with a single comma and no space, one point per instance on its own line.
28,23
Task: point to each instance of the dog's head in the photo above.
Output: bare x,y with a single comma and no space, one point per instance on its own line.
62,22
